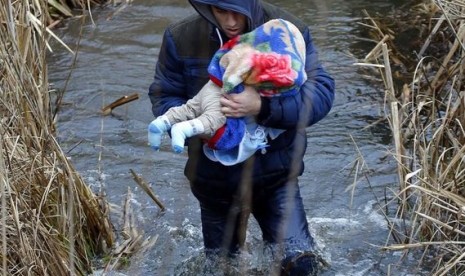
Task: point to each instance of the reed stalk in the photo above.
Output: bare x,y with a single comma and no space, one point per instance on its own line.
427,119
51,222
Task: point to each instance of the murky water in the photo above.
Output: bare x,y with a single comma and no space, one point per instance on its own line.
116,57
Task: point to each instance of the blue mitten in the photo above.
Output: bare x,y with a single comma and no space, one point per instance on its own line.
156,130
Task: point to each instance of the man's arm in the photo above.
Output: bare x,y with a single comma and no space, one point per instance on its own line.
309,106
168,87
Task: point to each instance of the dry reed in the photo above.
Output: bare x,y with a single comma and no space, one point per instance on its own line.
427,119
51,222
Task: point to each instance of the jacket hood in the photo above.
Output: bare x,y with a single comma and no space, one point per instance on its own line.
252,9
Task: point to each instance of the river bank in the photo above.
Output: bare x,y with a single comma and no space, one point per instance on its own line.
425,107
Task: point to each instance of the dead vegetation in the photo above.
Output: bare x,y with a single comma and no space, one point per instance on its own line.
425,108
52,223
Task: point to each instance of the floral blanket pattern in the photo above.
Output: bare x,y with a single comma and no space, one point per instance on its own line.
270,58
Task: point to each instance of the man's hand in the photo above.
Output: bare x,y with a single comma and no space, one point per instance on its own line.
246,103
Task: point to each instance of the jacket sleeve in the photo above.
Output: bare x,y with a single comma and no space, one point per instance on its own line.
168,87
309,106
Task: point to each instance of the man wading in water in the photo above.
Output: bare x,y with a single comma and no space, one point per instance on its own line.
266,184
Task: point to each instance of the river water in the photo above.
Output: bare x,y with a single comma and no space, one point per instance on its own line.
348,164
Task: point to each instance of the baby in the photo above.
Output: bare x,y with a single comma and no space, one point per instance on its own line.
270,58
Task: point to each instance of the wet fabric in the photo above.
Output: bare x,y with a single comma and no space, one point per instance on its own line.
276,205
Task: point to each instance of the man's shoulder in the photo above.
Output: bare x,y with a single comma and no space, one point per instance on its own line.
191,36
189,26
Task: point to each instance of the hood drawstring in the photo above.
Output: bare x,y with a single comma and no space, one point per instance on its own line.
219,36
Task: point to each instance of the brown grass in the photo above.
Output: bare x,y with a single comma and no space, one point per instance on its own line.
427,119
51,222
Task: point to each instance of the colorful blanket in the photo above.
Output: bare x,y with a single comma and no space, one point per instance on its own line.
270,58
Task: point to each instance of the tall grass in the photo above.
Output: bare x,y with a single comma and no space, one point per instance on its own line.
51,222
427,119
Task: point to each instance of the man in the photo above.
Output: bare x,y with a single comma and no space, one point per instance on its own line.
265,185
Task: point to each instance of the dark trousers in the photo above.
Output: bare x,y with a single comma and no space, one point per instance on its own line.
276,205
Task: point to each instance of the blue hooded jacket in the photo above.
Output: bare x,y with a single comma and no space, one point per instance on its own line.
181,71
